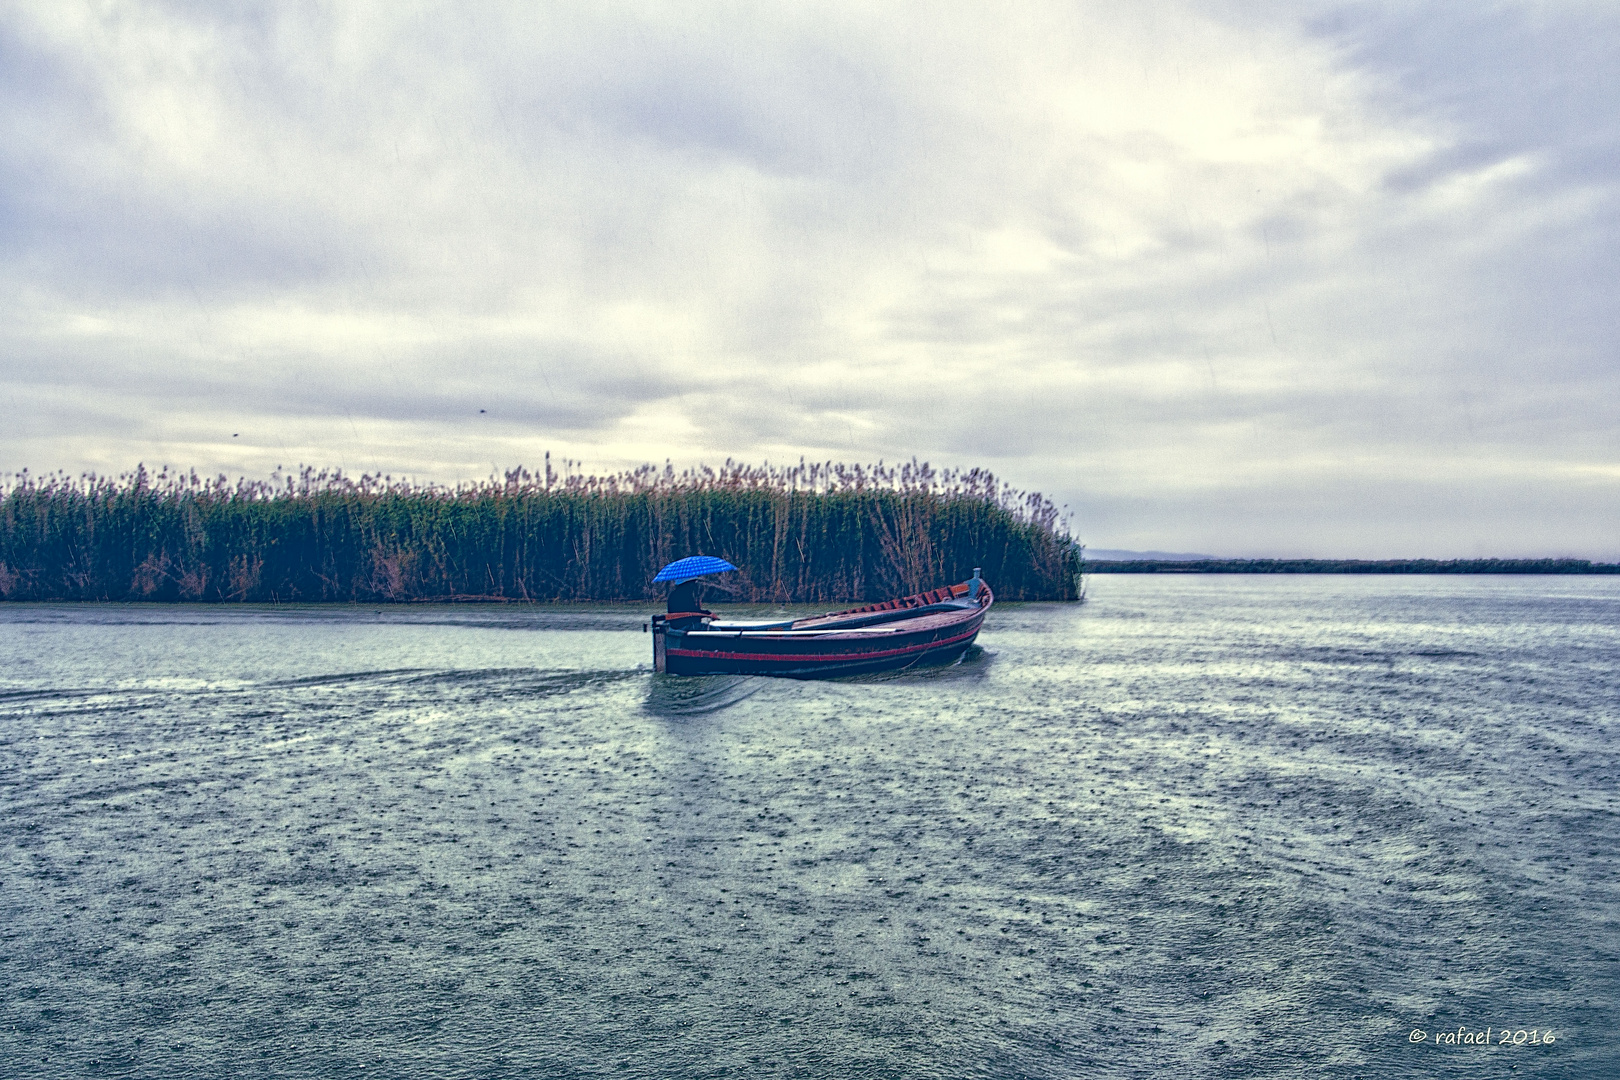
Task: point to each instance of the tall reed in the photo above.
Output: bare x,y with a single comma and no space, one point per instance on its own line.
810,533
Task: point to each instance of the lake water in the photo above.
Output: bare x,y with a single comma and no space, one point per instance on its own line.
1197,827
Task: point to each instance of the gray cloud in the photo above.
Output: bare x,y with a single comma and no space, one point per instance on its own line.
1220,278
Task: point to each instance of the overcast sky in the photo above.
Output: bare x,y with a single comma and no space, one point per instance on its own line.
1239,278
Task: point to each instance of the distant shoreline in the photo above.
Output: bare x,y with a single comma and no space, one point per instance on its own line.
1349,566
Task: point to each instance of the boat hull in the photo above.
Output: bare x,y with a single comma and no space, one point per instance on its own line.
811,651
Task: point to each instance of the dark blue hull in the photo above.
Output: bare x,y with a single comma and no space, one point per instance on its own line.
889,637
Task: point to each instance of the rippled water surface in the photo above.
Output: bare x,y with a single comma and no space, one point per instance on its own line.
1197,826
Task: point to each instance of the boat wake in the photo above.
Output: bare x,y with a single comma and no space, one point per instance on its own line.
700,696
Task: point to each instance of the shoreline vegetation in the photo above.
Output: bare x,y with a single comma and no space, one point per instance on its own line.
1350,566
811,533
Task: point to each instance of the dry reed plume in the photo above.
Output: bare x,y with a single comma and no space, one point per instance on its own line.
809,533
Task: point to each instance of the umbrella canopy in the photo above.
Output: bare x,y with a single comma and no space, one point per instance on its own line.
693,566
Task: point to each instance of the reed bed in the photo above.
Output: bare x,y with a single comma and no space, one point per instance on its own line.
810,533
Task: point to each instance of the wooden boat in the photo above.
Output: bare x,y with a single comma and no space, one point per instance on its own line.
927,629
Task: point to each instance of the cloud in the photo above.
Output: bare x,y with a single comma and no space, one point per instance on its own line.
1229,278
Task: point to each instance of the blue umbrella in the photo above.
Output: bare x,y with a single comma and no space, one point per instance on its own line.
693,566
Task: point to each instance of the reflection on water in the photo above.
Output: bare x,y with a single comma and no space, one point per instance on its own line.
974,663
1196,827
